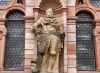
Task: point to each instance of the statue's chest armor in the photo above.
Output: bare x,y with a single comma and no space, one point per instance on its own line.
48,28
47,24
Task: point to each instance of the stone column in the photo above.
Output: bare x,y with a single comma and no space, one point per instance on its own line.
65,41
71,33
30,50
97,45
2,43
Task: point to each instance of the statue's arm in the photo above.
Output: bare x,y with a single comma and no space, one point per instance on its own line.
62,31
61,28
36,25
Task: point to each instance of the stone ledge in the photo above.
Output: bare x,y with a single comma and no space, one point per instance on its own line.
11,71
88,72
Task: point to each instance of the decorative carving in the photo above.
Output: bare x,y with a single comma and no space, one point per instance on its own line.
55,4
50,36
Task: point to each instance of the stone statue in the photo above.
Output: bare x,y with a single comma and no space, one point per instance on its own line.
50,36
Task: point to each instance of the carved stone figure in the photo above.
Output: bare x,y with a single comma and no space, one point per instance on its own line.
50,36
34,67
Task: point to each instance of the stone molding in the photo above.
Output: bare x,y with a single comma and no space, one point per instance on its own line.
29,19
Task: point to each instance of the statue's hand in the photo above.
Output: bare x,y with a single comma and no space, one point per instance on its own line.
34,29
63,35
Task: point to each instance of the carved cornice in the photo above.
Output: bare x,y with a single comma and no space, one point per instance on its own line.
72,18
2,21
97,23
29,19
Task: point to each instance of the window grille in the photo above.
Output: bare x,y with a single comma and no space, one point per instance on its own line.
4,2
15,41
85,42
95,3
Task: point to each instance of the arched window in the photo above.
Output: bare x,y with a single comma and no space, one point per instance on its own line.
85,42
15,41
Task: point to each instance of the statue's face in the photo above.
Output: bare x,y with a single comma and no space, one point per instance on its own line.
49,12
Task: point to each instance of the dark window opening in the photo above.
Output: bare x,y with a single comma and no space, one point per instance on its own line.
85,42
4,2
15,41
95,3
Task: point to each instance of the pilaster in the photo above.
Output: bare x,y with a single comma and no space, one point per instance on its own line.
71,33
97,44
30,50
3,32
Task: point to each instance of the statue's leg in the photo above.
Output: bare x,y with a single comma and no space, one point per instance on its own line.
51,63
53,44
44,63
53,53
